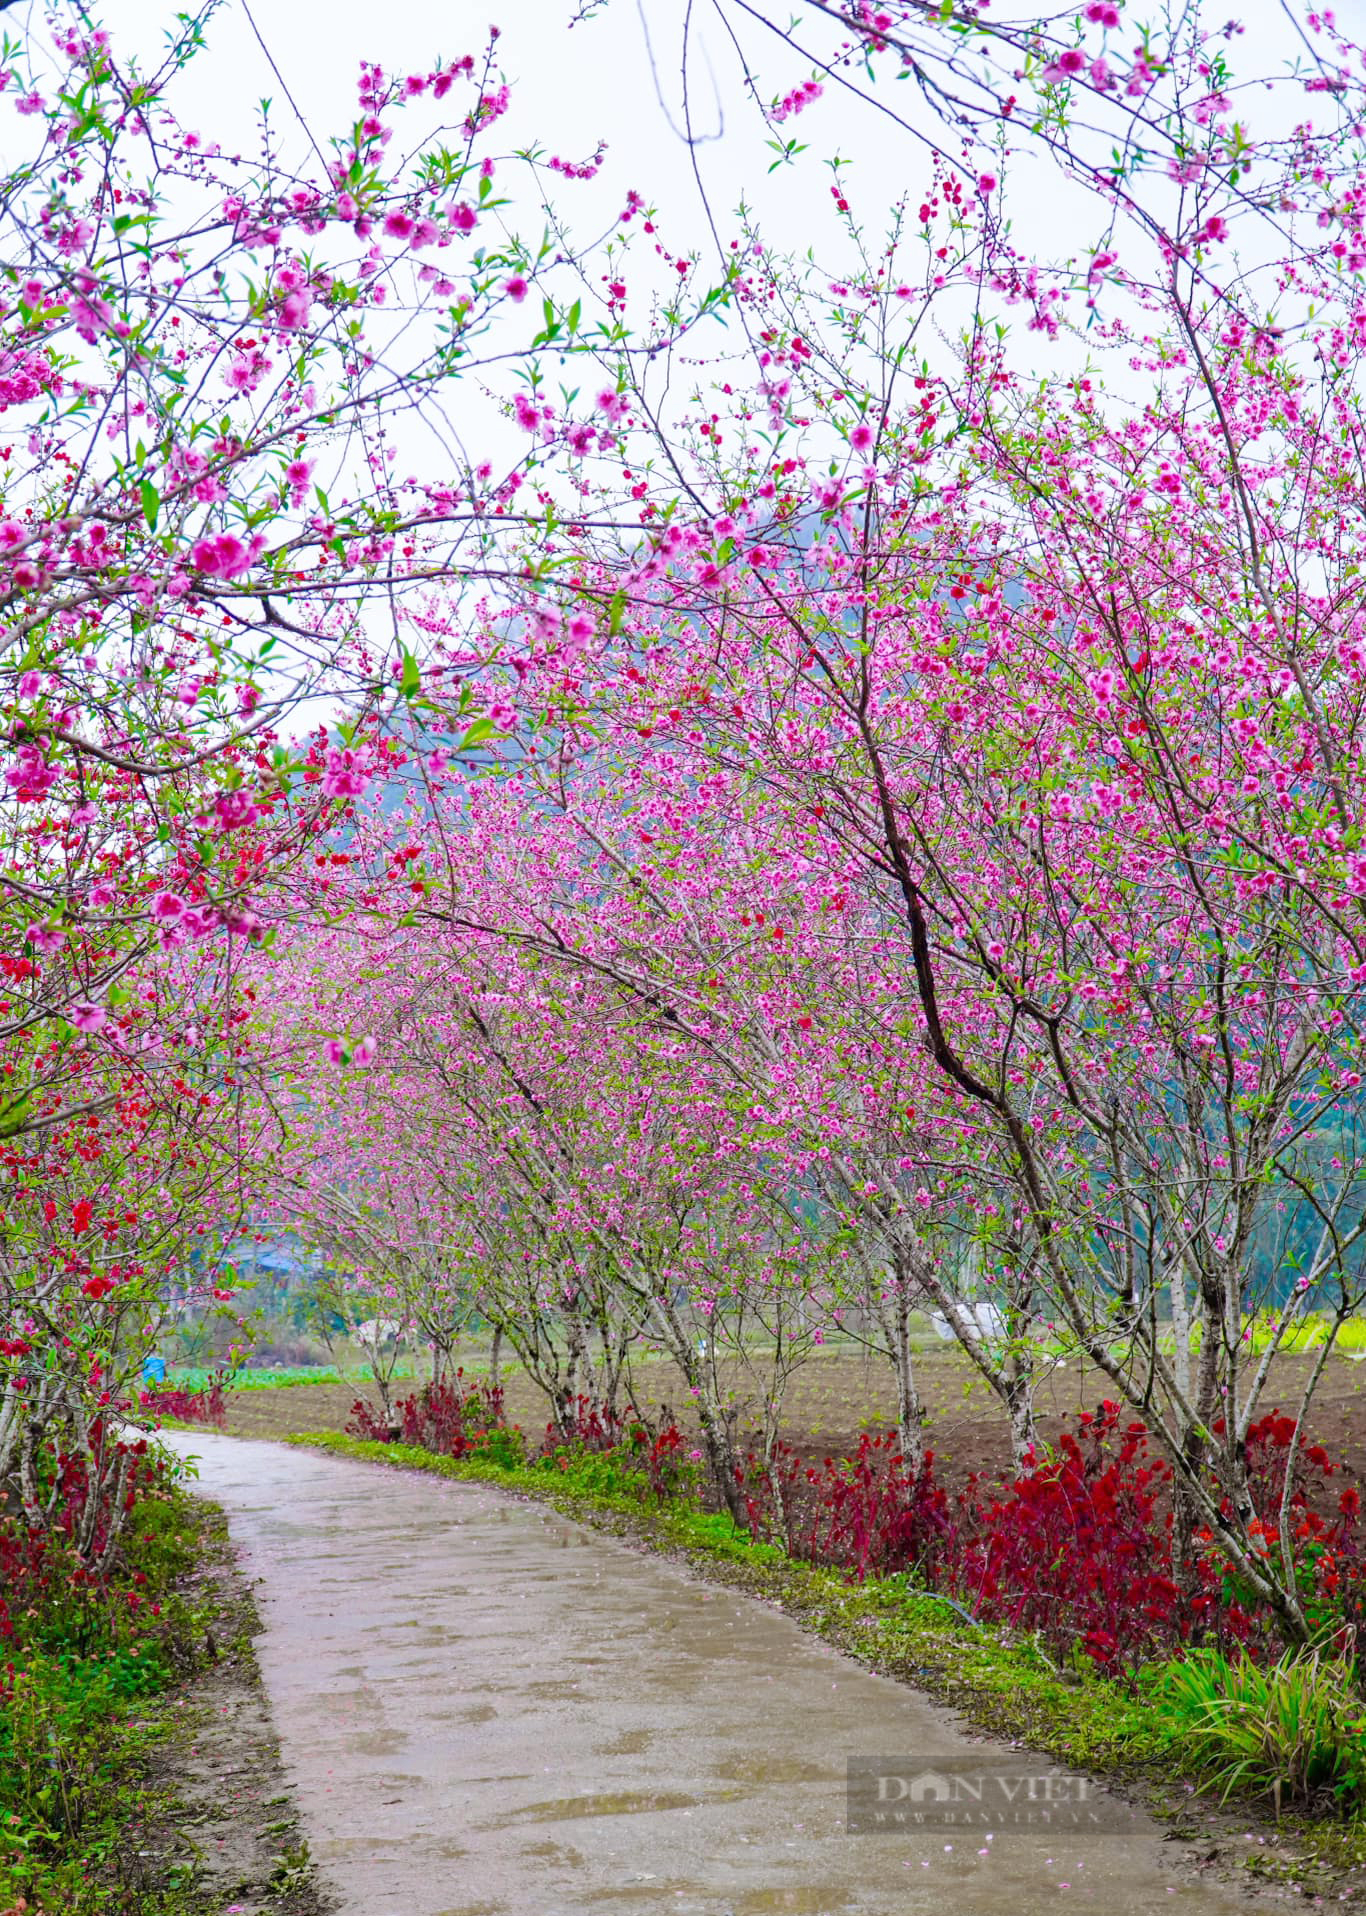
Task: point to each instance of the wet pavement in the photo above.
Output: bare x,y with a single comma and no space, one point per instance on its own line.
487,1710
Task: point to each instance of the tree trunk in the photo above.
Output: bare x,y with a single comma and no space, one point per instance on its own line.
577,1354
910,1411
719,1448
1194,1449
1017,1388
386,1399
718,1445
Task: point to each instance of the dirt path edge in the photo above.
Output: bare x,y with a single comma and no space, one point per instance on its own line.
220,1809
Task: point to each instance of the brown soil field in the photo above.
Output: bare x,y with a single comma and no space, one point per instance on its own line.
835,1396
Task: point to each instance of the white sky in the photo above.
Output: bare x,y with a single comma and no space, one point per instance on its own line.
615,77
571,85
575,83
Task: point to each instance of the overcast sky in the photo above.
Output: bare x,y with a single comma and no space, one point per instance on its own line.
613,77
617,77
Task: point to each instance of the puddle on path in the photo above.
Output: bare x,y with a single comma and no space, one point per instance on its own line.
455,1675
567,1809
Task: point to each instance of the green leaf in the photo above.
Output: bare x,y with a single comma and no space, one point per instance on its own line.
412,679
151,503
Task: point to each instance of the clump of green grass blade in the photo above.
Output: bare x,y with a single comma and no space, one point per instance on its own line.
1294,1730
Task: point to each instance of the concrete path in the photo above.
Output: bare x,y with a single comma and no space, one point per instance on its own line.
487,1710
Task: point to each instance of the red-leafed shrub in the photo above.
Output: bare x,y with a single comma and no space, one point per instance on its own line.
588,1424
1079,1547
190,1406
1076,1547
1321,1510
451,1419
1324,1519
631,1445
668,1460
877,1515
774,1490
368,1423
55,1575
873,1513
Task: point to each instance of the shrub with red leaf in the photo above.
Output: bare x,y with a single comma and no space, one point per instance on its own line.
1324,1518
872,1514
774,1492
449,1419
367,1423
44,1578
659,1451
878,1516
1078,1547
589,1424
667,1459
206,1406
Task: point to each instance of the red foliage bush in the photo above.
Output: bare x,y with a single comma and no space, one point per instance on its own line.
877,1516
190,1406
588,1424
450,1419
1324,1519
659,1450
368,1424
773,1490
872,1513
667,1460
41,1576
1079,1547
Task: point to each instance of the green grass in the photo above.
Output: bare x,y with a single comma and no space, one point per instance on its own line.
1309,1334
79,1730
1294,1730
94,1820
280,1376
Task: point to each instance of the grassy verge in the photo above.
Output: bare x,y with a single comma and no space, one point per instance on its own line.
1002,1683
113,1728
